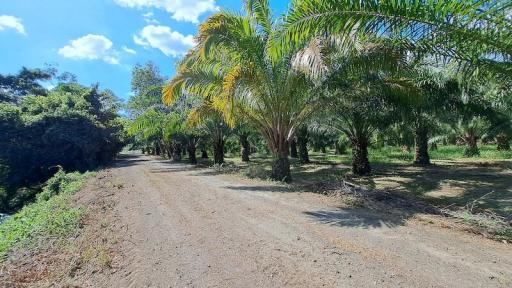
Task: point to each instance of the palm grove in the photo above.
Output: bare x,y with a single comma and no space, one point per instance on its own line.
335,73
349,75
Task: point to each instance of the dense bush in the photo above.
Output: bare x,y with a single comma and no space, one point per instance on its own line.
73,127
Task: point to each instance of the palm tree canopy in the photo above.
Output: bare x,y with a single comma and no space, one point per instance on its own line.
232,70
477,34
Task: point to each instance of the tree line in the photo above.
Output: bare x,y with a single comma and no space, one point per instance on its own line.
43,130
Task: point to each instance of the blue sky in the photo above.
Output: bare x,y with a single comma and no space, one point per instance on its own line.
101,40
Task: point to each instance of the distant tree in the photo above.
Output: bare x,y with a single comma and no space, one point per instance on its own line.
146,88
26,82
302,143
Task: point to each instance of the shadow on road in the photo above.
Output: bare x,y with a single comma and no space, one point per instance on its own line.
266,188
350,217
126,160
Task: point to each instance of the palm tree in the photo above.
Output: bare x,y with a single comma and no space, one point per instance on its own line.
232,68
243,131
357,87
475,34
469,131
302,143
431,94
149,128
167,132
217,130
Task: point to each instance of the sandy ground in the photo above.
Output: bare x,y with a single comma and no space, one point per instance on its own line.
177,226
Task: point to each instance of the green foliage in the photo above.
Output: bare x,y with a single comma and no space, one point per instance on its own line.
74,127
12,87
146,88
50,217
61,183
444,28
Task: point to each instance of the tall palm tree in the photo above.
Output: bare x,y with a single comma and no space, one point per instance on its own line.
232,68
432,93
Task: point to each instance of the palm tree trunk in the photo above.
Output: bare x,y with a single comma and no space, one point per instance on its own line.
471,145
337,148
293,149
245,148
360,163
302,142
157,149
176,155
218,151
169,150
191,149
281,167
161,147
421,142
503,142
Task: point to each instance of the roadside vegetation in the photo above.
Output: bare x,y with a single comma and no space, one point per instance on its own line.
51,219
70,126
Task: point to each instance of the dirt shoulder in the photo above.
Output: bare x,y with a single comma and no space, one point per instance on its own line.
159,224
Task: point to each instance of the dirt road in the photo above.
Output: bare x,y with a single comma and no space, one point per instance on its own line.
186,227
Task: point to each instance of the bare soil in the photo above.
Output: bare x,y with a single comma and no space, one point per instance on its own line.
161,224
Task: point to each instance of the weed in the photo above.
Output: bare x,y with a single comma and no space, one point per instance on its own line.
256,171
50,217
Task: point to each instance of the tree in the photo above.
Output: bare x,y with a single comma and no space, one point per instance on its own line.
302,143
357,86
433,93
146,88
358,115
211,123
159,131
243,131
232,68
74,127
26,82
477,35
470,130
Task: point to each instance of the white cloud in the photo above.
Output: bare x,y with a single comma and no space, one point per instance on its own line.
150,18
171,43
180,10
11,22
90,47
129,50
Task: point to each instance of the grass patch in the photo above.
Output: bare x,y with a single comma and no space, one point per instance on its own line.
50,217
396,155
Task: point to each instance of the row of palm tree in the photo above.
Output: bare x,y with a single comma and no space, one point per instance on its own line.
346,66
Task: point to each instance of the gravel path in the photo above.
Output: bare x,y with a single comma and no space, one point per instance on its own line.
186,227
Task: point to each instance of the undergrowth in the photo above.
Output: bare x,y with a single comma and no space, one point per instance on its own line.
50,217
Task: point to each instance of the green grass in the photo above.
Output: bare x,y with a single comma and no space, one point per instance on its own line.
396,155
382,159
50,217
